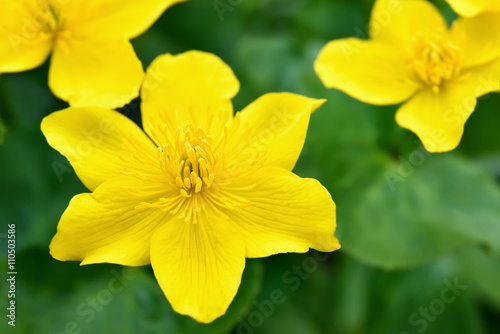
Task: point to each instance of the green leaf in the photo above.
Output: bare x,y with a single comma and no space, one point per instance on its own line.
423,212
483,271
433,299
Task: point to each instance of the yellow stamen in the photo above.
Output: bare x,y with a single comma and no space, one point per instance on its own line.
435,61
189,165
190,160
47,17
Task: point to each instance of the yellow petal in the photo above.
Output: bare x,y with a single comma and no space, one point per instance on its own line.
484,79
192,87
118,18
368,71
491,6
99,143
275,125
396,22
198,266
284,213
91,73
105,226
467,7
438,119
478,39
23,45
474,7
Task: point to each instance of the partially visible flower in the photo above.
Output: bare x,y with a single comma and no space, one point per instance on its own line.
199,191
93,62
474,7
413,56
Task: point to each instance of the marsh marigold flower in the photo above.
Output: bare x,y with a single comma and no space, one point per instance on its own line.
474,7
93,62
199,191
411,55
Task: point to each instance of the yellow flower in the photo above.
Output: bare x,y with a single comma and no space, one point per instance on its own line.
474,7
196,193
413,56
93,62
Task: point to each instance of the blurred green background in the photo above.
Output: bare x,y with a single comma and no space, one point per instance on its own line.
420,232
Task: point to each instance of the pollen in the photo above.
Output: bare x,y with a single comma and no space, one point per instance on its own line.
189,160
435,61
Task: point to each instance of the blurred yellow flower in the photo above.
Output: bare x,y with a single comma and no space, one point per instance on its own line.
93,62
474,7
413,56
199,191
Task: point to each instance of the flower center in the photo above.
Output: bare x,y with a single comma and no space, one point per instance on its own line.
189,160
194,175
435,61
47,16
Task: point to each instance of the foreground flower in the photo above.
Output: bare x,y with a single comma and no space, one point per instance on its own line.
412,56
93,62
474,7
197,193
